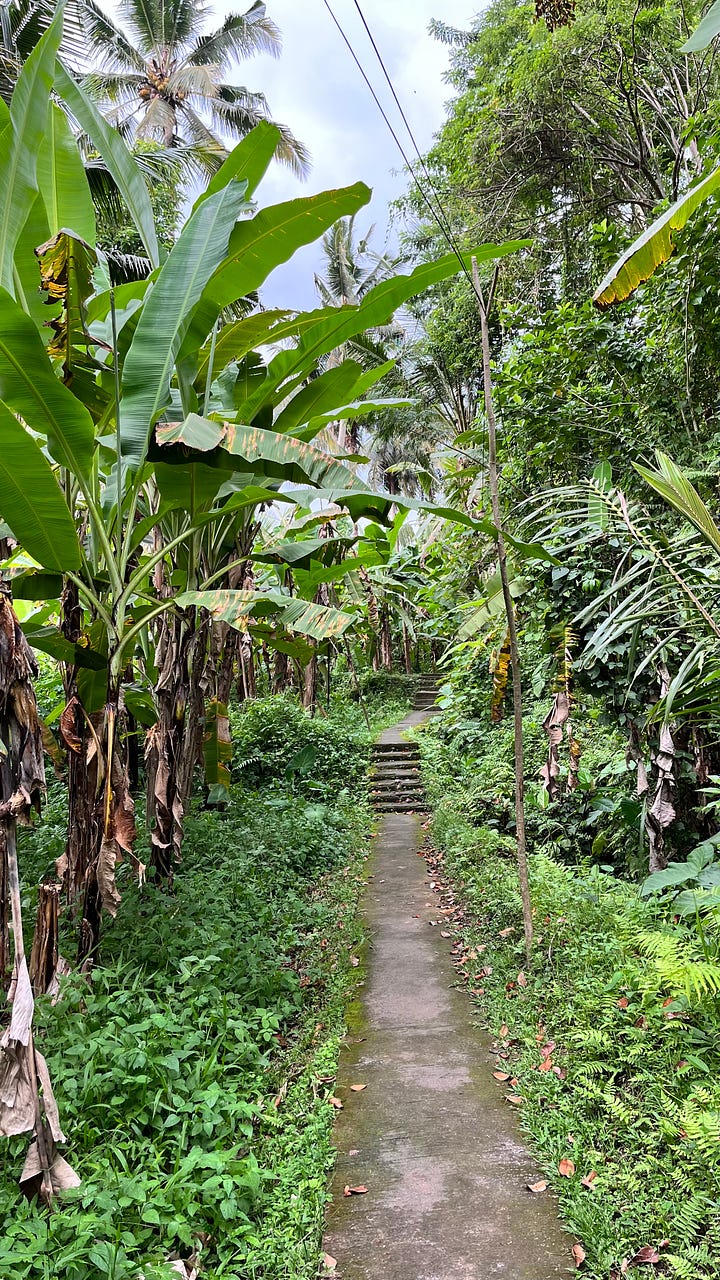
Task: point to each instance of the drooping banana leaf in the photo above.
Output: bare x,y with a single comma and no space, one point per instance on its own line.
28,385
31,500
673,485
654,247
317,621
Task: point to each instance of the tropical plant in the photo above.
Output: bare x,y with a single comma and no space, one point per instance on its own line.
164,76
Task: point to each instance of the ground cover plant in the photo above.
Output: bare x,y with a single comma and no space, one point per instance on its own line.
609,1044
196,1058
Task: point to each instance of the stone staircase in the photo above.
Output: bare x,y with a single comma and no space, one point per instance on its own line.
395,781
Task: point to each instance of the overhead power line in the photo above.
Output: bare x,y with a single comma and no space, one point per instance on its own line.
436,214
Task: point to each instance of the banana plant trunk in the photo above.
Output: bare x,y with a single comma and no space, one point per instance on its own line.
172,745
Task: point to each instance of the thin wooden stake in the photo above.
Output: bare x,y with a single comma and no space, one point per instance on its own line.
493,480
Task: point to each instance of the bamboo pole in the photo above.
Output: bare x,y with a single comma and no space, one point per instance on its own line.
493,480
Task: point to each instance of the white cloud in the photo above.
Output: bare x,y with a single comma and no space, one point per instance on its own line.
316,89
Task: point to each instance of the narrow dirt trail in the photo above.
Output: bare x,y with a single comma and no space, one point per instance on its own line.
430,1136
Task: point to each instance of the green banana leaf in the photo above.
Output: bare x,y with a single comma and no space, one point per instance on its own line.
264,242
248,161
335,325
20,143
28,385
119,161
332,388
654,247
31,501
62,180
150,361
705,31
317,621
263,452
235,340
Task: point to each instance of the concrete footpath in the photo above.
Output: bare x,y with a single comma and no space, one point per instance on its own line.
430,1135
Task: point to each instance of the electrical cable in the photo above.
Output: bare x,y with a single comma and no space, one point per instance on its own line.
433,212
440,216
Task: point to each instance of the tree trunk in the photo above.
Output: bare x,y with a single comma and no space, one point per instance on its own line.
493,479
310,684
172,746
407,651
385,640
281,672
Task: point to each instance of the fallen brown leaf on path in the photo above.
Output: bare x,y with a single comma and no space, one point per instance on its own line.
336,1103
521,979
566,1167
505,933
647,1256
329,1262
501,1075
514,1098
357,1088
354,962
546,1065
589,1178
354,1151
578,1254
537,1187
503,1033
355,1191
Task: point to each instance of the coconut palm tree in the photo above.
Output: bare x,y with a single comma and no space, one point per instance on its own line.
164,76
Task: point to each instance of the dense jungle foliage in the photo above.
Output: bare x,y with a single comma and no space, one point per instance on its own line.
232,538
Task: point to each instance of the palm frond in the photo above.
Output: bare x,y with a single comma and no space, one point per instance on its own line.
240,36
102,39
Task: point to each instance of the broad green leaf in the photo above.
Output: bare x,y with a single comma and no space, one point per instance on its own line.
217,749
236,607
235,340
21,141
705,32
31,500
332,388
35,584
119,161
350,413
654,247
672,485
263,452
26,281
62,180
302,552
248,161
264,242
50,640
150,361
29,386
335,325
484,614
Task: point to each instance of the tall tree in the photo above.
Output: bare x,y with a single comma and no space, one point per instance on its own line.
164,75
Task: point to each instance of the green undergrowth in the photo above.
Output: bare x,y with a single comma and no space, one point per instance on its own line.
189,1070
621,1006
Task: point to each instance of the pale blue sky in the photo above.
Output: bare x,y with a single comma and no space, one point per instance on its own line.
316,89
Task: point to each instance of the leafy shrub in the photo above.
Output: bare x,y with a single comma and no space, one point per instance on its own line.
269,735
